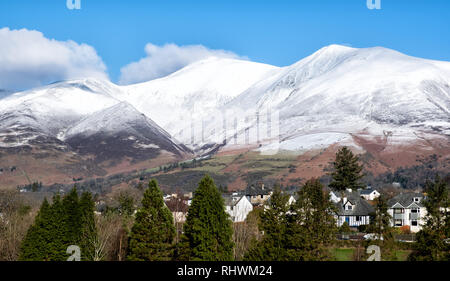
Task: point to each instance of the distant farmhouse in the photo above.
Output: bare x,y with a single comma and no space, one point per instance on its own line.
407,209
370,194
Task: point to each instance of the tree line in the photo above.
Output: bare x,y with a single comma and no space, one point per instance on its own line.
302,231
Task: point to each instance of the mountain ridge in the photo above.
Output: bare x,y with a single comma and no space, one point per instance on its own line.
363,98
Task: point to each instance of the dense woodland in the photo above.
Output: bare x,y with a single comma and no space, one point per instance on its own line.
134,223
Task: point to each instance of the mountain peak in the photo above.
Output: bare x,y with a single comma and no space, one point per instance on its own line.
336,48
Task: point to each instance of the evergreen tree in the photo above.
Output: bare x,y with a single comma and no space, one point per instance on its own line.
72,217
274,224
44,240
380,220
347,171
60,238
153,231
431,245
33,245
380,224
58,226
311,224
88,231
208,228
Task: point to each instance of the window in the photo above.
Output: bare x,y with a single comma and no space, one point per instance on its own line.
398,223
349,207
415,210
358,218
398,211
416,199
262,196
414,223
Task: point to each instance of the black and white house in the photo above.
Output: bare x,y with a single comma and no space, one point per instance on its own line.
352,208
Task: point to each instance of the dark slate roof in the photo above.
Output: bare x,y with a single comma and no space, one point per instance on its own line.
361,206
253,191
406,199
367,191
232,200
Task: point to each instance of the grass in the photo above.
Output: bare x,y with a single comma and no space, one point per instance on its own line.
343,254
402,255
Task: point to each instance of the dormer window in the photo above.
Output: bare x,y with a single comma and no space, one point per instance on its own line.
349,207
416,199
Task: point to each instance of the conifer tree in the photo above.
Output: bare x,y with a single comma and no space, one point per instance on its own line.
45,239
72,217
380,224
88,231
58,226
274,224
208,228
431,244
60,237
153,232
311,225
380,220
33,246
347,171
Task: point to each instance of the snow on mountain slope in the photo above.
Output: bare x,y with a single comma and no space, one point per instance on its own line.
120,131
54,107
194,90
322,99
344,90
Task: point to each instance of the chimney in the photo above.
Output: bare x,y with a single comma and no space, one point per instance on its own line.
262,186
344,200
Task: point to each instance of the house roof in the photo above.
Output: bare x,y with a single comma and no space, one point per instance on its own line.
361,206
253,191
367,191
232,200
406,199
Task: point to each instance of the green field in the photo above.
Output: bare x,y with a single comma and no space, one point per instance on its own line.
343,254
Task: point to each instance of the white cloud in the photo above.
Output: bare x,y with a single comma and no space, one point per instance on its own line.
28,59
163,60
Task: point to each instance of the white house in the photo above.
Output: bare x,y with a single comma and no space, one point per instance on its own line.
291,200
370,194
238,207
407,209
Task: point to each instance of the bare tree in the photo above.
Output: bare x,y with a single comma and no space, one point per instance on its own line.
244,233
15,219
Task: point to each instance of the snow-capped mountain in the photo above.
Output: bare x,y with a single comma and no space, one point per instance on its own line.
339,91
53,108
192,92
334,96
121,131
83,116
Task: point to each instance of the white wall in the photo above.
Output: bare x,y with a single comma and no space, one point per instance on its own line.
239,212
407,221
364,220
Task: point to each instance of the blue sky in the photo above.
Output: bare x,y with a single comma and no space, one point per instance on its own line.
278,32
